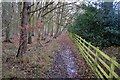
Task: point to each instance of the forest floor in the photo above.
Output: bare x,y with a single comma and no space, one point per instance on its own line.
58,58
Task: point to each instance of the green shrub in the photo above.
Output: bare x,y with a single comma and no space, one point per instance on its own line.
96,27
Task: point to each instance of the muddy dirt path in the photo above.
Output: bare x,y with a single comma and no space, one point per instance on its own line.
66,63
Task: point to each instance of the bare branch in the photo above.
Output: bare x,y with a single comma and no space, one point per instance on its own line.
41,8
35,9
57,7
32,5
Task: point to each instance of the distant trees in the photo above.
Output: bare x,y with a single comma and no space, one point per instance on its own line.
10,20
46,20
6,19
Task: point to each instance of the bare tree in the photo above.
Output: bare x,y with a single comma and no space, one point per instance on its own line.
23,34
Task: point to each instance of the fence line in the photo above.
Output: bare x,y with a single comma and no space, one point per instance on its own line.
94,57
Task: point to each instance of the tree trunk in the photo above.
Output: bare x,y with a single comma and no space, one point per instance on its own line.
45,31
33,29
51,22
58,22
23,34
42,32
61,21
30,31
30,37
7,38
6,19
51,29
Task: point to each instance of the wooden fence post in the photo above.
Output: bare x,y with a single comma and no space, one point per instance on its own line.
96,56
112,67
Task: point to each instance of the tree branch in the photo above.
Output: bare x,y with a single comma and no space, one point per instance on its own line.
35,9
56,8
31,5
41,8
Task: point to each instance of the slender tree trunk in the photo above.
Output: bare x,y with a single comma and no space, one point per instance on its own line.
33,26
51,23
43,36
43,32
29,37
51,28
30,31
7,38
39,19
47,30
58,21
61,21
23,34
